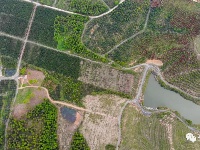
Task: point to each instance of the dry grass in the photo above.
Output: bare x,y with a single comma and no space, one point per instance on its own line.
101,130
35,75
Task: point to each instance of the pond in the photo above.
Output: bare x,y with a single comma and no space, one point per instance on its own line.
68,114
156,96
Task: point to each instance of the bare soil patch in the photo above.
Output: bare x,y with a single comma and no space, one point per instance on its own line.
19,111
22,109
35,75
155,62
106,77
66,129
101,130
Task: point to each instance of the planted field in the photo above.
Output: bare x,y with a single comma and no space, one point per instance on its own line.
145,46
52,60
10,47
42,30
108,78
142,133
189,82
101,130
14,16
35,131
102,34
7,93
86,7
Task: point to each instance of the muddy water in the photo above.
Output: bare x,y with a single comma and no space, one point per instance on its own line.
156,96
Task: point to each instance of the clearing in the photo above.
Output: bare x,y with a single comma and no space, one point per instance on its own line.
100,131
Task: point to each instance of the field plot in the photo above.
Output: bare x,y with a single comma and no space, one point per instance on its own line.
7,93
189,82
135,51
14,16
86,7
111,3
102,34
142,133
51,60
36,130
108,78
100,131
42,30
10,47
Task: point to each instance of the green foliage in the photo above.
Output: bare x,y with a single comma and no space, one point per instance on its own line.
7,93
110,147
10,47
88,7
67,89
14,16
112,3
8,62
79,142
103,33
51,60
24,96
37,131
23,71
42,29
68,31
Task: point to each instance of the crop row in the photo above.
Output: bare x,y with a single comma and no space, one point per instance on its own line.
14,16
102,34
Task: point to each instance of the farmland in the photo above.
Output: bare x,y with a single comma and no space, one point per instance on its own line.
102,34
86,7
36,131
14,16
10,47
48,59
7,93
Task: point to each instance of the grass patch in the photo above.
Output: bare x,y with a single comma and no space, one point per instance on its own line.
24,96
140,132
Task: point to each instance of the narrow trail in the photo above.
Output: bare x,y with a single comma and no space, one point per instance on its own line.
63,103
54,4
133,36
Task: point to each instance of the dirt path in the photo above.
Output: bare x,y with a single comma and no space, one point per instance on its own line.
63,103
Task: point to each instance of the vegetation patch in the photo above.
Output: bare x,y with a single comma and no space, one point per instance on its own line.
14,16
8,65
10,47
24,96
79,142
7,93
51,60
102,34
86,7
35,131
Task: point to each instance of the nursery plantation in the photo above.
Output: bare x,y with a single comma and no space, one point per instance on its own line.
92,74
